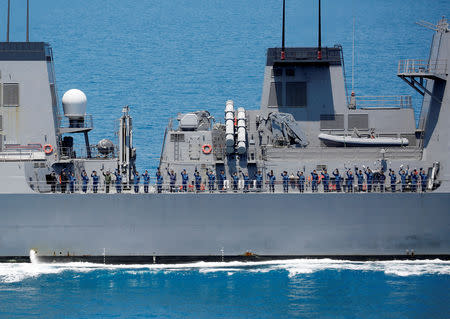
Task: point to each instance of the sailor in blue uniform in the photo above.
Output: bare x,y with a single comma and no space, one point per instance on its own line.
72,182
221,179
95,179
146,178
325,181
382,180
159,181
118,181
423,180
235,181
350,179
85,180
198,180
136,181
314,181
211,180
184,180
403,176
369,178
337,180
393,180
414,180
173,179
246,181
360,176
301,181
285,177
259,180
272,179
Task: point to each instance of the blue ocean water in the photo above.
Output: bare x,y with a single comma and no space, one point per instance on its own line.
276,289
165,57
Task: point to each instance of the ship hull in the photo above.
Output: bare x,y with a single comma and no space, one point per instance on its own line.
189,225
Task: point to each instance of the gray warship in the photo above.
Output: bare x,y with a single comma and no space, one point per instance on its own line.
307,122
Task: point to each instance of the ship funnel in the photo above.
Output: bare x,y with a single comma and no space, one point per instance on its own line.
74,106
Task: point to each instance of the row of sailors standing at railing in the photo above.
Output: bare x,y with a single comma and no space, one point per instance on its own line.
68,178
366,180
197,185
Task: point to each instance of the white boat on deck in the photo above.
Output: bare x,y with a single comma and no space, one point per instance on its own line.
369,141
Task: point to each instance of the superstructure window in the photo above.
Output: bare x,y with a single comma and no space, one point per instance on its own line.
296,94
10,94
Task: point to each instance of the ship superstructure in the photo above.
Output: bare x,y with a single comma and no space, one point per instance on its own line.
307,121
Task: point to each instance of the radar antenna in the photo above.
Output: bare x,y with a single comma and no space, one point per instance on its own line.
427,25
441,26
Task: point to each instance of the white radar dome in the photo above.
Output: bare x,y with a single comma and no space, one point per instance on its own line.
74,104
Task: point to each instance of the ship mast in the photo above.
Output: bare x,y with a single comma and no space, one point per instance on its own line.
319,46
283,31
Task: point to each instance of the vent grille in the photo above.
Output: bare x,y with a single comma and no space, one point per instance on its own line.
358,121
331,121
177,137
11,94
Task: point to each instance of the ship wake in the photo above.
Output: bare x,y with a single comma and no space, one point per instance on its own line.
16,272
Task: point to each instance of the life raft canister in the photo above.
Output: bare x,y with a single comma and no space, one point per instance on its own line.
48,149
206,149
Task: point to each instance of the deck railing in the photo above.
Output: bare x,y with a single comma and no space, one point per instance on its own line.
293,187
422,67
87,123
386,101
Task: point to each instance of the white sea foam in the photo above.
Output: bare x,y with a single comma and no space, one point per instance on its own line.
16,272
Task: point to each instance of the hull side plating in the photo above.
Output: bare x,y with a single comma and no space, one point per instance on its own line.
200,224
